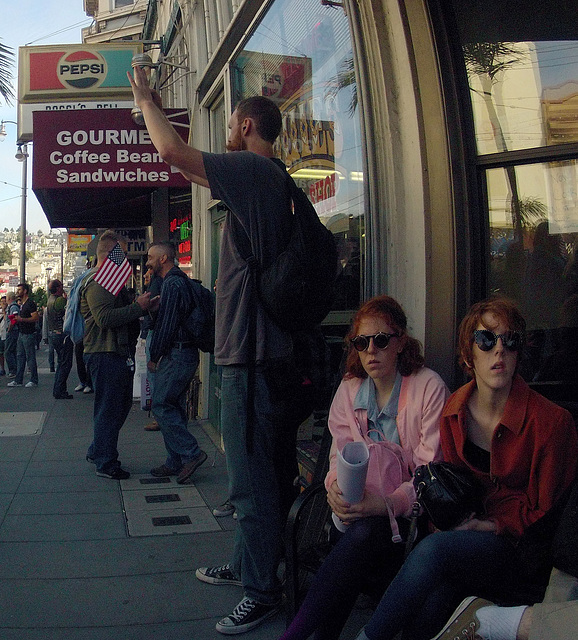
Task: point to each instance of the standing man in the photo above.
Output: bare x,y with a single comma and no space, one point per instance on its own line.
255,354
26,349
110,337
153,284
174,359
13,309
63,345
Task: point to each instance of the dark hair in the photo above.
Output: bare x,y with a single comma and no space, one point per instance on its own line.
409,360
25,286
53,286
168,248
266,115
499,306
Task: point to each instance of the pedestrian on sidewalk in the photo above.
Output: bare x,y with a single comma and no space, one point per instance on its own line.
85,383
153,284
12,332
4,324
62,344
256,355
174,358
26,348
110,337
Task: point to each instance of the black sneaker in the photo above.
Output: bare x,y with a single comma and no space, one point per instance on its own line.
218,575
247,615
114,474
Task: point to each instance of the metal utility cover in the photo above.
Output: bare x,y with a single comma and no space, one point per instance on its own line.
22,423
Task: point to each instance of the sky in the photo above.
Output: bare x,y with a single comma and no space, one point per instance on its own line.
30,22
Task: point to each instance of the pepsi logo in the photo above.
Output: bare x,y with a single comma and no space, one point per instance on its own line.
82,69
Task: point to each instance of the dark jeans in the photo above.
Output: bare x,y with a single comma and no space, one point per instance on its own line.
26,353
64,347
83,375
51,350
254,441
364,556
112,380
443,568
10,351
172,381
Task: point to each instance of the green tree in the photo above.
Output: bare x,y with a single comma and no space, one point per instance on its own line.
5,255
39,296
29,255
6,63
488,61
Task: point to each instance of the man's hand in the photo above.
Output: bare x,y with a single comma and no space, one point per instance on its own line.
141,90
152,366
144,301
154,303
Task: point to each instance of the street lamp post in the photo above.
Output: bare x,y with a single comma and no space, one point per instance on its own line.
21,156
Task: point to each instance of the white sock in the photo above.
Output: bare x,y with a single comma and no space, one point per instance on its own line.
499,623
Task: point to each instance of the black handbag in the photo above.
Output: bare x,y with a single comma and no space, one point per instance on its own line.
448,494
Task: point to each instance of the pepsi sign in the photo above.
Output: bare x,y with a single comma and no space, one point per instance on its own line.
78,72
82,69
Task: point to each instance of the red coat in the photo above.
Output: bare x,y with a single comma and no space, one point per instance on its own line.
533,455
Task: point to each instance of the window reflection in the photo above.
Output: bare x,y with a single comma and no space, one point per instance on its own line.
524,94
533,259
300,56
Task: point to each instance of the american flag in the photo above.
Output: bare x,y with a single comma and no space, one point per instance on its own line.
114,272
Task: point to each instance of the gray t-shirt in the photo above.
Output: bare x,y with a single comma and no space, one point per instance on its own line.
254,190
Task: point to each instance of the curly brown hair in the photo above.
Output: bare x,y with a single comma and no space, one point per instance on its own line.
499,306
410,358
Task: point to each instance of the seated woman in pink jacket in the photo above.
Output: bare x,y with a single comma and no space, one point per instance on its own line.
389,400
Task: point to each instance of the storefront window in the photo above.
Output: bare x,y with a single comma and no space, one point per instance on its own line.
524,94
522,73
533,260
301,57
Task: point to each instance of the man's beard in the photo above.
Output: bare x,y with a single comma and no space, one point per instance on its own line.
238,144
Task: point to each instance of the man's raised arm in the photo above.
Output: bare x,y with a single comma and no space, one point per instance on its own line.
173,150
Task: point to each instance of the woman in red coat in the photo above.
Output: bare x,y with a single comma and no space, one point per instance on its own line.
519,445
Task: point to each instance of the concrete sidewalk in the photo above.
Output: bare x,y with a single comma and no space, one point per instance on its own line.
84,558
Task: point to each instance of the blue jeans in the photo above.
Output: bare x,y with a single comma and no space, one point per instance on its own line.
112,381
64,348
150,374
26,352
10,351
51,350
173,377
444,568
253,479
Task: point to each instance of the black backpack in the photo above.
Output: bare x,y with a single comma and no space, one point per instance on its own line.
297,288
200,323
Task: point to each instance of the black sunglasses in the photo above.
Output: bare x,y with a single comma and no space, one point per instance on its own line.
380,340
486,339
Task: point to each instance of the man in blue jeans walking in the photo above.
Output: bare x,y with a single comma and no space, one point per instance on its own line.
174,359
26,349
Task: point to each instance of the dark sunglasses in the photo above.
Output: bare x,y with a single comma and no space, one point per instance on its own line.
486,339
380,340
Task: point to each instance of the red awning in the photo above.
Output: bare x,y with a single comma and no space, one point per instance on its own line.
98,168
